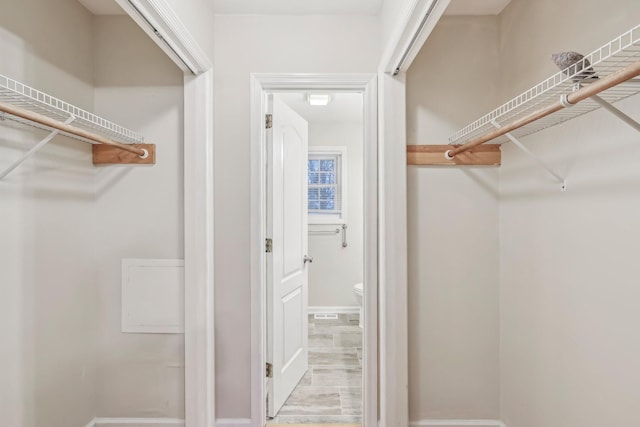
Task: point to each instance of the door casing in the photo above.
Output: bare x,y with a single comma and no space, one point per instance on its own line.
261,86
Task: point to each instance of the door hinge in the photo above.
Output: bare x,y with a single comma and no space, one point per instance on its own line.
269,121
269,245
269,370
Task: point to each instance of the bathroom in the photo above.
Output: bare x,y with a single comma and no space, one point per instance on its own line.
331,389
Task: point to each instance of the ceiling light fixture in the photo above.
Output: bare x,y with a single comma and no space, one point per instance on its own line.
321,99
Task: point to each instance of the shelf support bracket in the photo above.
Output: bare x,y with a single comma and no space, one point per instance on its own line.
517,143
34,149
616,112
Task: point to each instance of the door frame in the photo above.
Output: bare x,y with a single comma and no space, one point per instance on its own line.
261,85
159,20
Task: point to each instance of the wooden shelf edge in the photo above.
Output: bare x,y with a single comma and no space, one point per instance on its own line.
433,155
110,155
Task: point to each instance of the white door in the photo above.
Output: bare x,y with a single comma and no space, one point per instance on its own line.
287,274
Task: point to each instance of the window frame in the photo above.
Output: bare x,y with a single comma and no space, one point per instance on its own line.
339,152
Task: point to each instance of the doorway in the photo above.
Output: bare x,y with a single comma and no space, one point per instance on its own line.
355,401
315,278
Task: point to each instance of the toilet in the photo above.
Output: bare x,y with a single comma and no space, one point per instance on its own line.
357,291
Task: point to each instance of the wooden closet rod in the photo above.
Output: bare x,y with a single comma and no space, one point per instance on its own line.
624,74
47,121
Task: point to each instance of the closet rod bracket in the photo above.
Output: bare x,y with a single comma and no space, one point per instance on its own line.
616,112
564,100
542,163
34,149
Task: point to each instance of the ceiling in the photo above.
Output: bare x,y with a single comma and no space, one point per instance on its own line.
103,7
476,7
343,108
309,7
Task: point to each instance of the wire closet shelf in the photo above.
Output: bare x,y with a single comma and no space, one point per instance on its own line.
608,59
20,95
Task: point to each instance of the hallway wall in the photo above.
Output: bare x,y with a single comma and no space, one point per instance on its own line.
321,44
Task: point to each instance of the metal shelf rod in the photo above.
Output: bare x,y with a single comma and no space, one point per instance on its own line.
616,112
629,72
542,163
34,149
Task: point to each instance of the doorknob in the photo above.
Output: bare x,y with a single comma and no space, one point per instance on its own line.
307,259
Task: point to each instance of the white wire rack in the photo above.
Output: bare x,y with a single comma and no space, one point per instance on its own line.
610,58
20,95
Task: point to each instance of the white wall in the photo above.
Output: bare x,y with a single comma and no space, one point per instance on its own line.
289,44
140,212
198,18
453,230
47,254
67,224
567,292
335,269
391,14
569,286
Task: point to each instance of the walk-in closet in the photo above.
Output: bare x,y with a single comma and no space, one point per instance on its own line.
80,237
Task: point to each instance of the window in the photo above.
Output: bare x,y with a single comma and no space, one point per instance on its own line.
327,179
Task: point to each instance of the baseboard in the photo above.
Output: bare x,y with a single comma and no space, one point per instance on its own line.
237,422
339,310
457,423
232,422
137,422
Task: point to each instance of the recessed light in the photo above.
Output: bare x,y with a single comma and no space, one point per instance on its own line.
318,98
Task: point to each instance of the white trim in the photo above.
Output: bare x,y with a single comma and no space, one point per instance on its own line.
257,262
411,32
199,256
233,422
407,37
221,422
330,149
367,84
172,35
134,422
394,359
337,309
373,259
302,82
457,423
